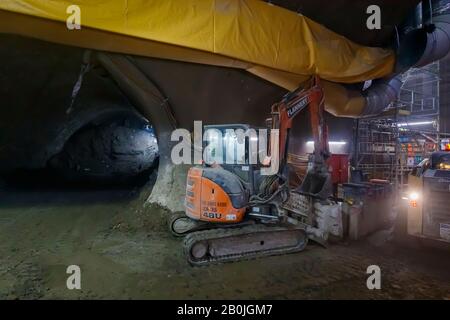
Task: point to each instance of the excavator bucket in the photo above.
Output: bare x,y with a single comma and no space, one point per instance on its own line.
317,184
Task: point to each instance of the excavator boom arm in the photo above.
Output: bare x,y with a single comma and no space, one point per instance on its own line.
292,104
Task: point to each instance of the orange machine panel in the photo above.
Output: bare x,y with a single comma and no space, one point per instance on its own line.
193,193
206,200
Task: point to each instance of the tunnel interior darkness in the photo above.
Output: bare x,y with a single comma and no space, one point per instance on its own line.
116,151
102,141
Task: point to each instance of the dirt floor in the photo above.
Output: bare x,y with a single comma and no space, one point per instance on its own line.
125,252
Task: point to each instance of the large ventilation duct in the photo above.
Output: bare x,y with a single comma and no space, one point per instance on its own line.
437,40
418,48
429,43
381,94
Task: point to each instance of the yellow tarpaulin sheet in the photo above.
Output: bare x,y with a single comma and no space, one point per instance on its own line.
247,30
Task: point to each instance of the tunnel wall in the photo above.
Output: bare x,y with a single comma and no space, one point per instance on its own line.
36,83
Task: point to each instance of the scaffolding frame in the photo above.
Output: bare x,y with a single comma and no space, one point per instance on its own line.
390,145
375,147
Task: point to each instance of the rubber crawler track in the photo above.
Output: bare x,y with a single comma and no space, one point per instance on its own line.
218,234
201,225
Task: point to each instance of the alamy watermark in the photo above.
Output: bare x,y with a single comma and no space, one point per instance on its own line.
374,280
373,22
73,21
74,280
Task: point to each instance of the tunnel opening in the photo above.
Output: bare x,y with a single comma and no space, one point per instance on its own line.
115,151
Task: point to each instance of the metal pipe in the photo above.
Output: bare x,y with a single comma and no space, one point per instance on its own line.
437,40
418,48
381,94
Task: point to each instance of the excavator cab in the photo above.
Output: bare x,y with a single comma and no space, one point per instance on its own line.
218,191
232,147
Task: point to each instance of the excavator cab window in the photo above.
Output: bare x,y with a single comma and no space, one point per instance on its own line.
222,146
233,147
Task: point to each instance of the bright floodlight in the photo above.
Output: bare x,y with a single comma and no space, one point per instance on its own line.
419,123
338,143
413,196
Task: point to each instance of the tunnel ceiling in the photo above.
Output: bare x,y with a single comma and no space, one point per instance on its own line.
348,17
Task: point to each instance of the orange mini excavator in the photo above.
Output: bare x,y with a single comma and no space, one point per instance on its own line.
234,211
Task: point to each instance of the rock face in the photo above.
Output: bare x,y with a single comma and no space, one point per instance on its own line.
96,137
117,151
